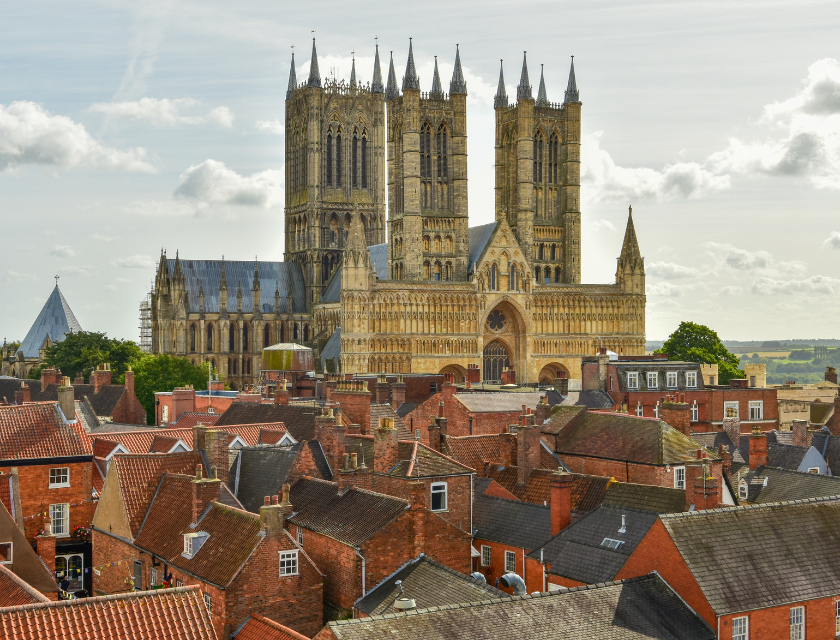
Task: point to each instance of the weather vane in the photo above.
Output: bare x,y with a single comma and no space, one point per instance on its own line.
56,280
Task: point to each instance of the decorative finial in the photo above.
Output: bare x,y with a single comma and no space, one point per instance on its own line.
56,280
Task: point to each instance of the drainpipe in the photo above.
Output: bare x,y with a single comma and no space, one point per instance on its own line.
364,590
542,563
523,569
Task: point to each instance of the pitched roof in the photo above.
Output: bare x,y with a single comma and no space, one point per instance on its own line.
36,430
352,516
562,416
633,609
233,533
189,419
156,440
498,402
472,451
429,583
379,260
259,627
479,237
646,497
378,411
511,522
782,560
768,484
418,460
587,491
166,614
261,471
298,419
55,320
592,399
617,436
103,402
14,591
579,553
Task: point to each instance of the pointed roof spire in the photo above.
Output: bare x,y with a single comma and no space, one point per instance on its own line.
256,285
314,74
411,81
56,320
542,98
501,99
223,279
353,72
437,89
630,249
292,79
392,92
458,84
572,94
523,91
376,85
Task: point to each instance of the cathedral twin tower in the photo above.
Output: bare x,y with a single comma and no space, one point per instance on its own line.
339,139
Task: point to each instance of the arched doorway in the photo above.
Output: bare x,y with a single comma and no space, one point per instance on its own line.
552,371
457,370
505,334
496,359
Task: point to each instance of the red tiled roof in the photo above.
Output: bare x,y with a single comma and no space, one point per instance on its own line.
189,419
37,431
587,491
102,447
472,451
144,441
163,444
98,475
166,614
420,460
14,591
272,436
261,628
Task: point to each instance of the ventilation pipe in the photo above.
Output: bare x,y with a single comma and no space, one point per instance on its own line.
477,575
511,580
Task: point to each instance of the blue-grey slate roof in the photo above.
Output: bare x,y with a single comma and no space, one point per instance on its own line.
332,349
379,260
510,522
332,292
479,237
207,274
55,320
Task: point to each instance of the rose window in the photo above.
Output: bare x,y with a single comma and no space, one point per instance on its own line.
496,320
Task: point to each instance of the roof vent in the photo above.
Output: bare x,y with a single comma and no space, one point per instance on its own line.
623,528
477,575
512,580
405,604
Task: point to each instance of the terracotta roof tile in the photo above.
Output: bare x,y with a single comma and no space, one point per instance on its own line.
587,491
299,419
143,441
473,451
189,419
261,628
378,411
14,591
36,430
420,461
167,614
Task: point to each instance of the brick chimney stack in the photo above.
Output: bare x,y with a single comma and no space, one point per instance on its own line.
383,391
677,414
50,376
216,449
527,451
273,513
67,400
23,395
45,545
199,434
281,396
723,454
129,380
183,399
397,392
418,512
385,446
706,492
331,434
758,448
831,375
101,377
801,437
561,501
434,433
204,491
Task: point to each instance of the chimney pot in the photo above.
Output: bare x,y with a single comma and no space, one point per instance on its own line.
199,472
354,460
267,500
286,489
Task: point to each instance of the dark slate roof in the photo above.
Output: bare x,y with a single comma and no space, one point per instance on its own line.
332,292
562,416
402,411
352,516
782,456
578,552
103,402
417,460
299,419
332,349
261,471
784,484
646,497
362,446
517,524
712,439
829,446
587,491
634,609
379,260
773,554
479,237
55,320
430,584
207,274
596,399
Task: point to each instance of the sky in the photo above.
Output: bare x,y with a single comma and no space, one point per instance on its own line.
127,128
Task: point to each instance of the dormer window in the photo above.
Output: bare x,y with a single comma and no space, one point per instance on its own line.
653,379
691,379
193,542
633,380
742,491
671,379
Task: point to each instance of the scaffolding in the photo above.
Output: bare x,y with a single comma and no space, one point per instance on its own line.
146,323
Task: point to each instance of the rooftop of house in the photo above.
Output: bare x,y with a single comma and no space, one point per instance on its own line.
166,614
259,627
769,484
595,548
299,419
103,402
189,419
429,583
633,609
511,522
14,591
38,430
782,561
415,459
781,456
587,491
829,447
645,497
591,399
498,402
352,516
561,417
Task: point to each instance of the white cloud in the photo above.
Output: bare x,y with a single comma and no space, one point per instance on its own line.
729,291
820,94
73,270
671,271
29,134
213,183
815,285
738,259
602,225
164,112
271,126
17,276
794,267
665,289
833,241
102,237
136,261
162,208
62,251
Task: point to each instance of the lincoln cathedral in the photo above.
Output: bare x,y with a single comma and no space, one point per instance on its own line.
382,272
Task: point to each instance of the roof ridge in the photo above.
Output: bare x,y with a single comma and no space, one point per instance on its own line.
23,585
533,504
747,507
85,602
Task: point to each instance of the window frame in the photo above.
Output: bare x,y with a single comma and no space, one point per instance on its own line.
11,554
66,519
287,560
691,379
744,633
656,409
743,491
797,623
300,536
633,380
65,472
486,548
694,412
672,375
639,409
208,602
611,543
837,617
759,405
445,493
679,472
652,375
153,576
508,556
730,404
814,470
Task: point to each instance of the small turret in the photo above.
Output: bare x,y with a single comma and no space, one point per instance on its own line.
572,94
437,89
501,99
523,91
458,85
411,82
292,79
255,289
353,74
630,273
376,85
239,299
223,291
276,297
392,92
542,97
314,74
356,270
201,296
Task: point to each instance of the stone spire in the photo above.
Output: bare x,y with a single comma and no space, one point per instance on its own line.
501,99
314,74
353,74
256,284
542,98
411,81
437,89
392,92
572,94
376,85
458,84
223,279
523,91
255,291
292,79
223,291
630,254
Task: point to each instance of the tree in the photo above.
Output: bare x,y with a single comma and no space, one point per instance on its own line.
163,373
82,351
697,343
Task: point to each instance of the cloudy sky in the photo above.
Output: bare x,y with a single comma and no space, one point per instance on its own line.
129,127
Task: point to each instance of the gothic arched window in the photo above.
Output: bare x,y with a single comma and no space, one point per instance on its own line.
557,275
209,337
364,160
426,151
442,152
425,243
234,366
437,244
494,278
427,267
245,345
232,337
512,279
448,271
338,158
329,158
448,244
294,331
283,332
355,159
553,152
540,252
306,333
192,338
246,366
437,271
266,336
537,274
547,275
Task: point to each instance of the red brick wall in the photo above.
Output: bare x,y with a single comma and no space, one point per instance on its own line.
820,620
743,396
36,496
459,511
532,573
340,563
563,582
458,418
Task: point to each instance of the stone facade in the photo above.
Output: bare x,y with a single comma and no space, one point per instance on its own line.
439,296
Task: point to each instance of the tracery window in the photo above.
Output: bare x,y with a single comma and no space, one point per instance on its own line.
442,171
338,158
364,160
427,269
209,337
232,337
437,271
426,151
192,338
245,346
538,157
553,153
266,336
494,275
355,159
329,158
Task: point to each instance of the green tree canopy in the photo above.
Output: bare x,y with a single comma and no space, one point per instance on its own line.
163,373
697,343
81,352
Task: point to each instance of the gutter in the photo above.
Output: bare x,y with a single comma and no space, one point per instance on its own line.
364,589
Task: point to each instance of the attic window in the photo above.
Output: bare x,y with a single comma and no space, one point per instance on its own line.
742,491
653,380
671,379
193,542
690,379
5,552
632,379
611,543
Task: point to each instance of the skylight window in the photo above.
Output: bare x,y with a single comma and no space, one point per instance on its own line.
611,543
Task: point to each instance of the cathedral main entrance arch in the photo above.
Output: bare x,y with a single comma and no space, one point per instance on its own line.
504,343
496,359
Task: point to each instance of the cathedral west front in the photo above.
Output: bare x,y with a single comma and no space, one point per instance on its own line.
384,274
